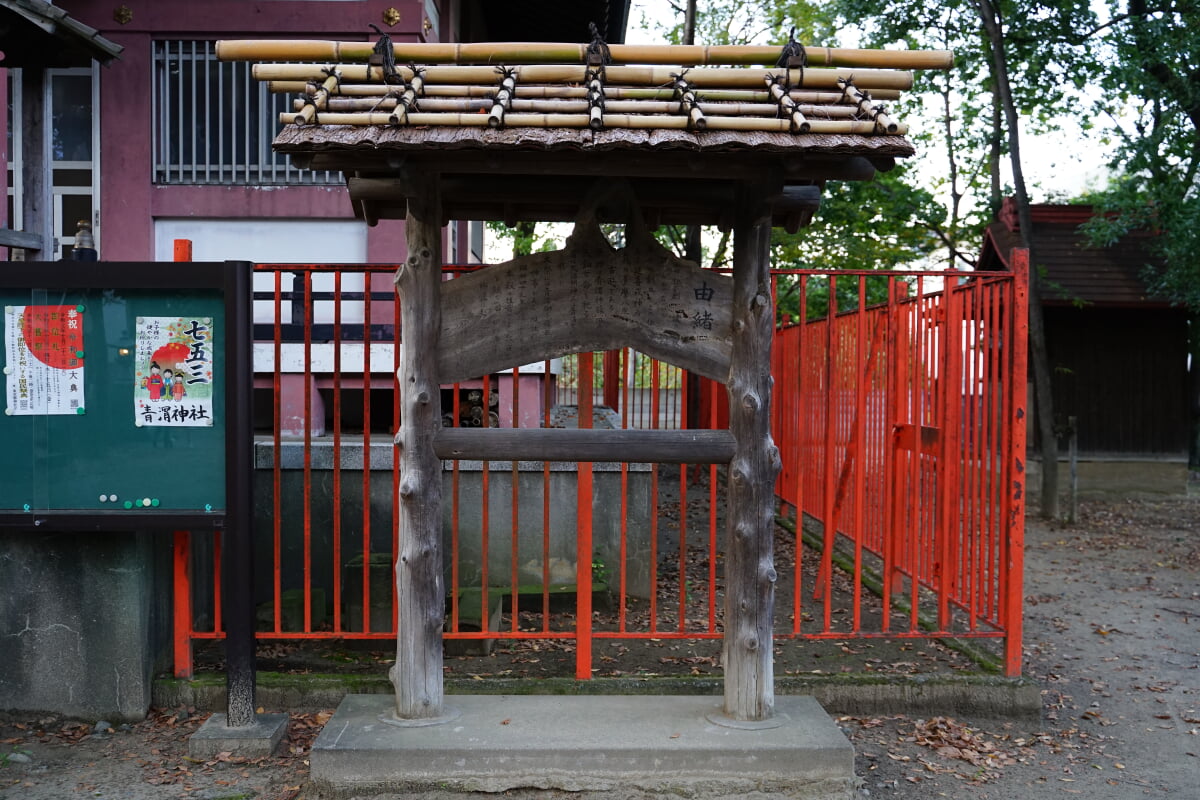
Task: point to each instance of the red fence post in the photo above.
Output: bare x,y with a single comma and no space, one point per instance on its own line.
1014,565
182,558
583,532
182,628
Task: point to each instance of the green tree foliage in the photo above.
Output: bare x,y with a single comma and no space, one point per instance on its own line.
884,224
1152,90
1048,67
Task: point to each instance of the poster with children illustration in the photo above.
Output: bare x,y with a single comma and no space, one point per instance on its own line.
43,365
173,378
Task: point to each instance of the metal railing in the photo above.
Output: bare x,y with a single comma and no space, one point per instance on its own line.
899,426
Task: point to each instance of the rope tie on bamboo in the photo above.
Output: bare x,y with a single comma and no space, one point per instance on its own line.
408,100
875,111
595,97
598,53
319,99
793,55
687,101
787,106
384,57
503,101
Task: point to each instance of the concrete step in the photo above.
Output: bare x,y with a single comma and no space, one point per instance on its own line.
684,746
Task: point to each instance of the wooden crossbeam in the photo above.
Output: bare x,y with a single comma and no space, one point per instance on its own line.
633,446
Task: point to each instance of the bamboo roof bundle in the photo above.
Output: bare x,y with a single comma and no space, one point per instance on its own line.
568,87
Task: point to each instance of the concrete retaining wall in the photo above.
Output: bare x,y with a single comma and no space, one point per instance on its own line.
84,622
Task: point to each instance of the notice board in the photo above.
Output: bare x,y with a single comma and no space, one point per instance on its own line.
126,393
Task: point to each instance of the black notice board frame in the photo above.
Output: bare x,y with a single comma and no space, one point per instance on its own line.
232,279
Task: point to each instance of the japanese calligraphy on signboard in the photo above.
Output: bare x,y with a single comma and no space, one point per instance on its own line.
43,360
173,381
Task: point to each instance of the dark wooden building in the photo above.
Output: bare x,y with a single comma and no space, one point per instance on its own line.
1119,355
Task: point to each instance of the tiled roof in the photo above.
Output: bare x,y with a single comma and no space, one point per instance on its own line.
1074,271
38,35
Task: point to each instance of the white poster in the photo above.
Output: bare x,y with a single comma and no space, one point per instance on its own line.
43,359
173,382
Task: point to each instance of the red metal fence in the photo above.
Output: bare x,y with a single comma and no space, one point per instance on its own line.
897,410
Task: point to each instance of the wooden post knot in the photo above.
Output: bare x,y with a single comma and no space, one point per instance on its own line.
750,401
760,300
409,486
751,643
423,398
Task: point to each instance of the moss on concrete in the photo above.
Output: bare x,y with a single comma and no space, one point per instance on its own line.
849,693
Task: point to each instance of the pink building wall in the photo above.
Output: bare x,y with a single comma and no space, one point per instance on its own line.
129,200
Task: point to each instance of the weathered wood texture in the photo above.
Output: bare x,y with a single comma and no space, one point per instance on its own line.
37,203
435,141
556,198
586,297
634,446
750,569
417,673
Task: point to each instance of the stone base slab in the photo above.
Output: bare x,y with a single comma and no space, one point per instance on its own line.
259,739
679,745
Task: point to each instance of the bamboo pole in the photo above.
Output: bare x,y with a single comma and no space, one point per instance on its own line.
595,99
715,77
610,92
583,120
874,111
556,106
408,100
688,105
551,52
787,105
319,100
508,85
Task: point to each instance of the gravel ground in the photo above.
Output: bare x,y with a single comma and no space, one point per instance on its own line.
1112,636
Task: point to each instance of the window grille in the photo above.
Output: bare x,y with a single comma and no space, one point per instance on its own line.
213,124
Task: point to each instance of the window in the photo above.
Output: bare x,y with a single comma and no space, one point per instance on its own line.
72,95
213,124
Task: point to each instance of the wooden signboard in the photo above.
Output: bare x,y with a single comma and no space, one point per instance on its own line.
586,297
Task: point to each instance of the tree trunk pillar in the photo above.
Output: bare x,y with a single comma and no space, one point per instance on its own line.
750,567
417,673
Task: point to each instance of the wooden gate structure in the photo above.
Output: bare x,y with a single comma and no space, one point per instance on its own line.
739,137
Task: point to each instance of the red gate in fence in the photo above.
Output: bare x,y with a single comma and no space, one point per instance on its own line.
898,411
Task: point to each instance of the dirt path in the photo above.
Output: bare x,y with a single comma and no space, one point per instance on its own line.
1112,632
1112,635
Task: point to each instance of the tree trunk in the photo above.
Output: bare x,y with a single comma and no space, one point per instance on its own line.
417,674
750,569
1047,438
